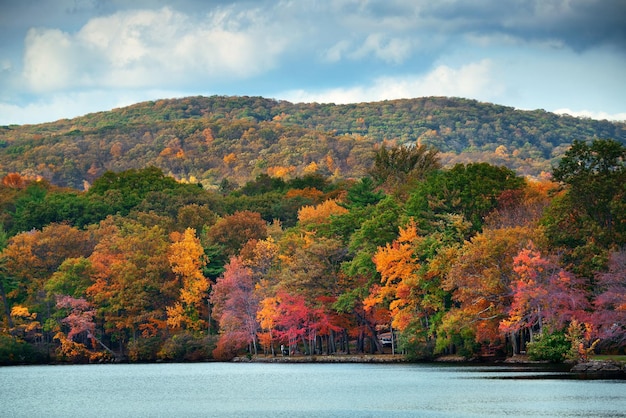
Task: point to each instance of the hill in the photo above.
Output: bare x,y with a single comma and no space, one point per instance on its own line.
208,139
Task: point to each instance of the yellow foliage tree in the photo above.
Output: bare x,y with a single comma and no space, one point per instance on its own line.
280,171
311,168
319,213
186,257
230,158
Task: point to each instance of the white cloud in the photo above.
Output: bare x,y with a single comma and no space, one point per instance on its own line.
69,105
470,80
336,52
50,60
621,117
150,48
394,50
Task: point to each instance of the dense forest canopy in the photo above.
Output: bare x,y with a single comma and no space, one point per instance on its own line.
471,259
209,140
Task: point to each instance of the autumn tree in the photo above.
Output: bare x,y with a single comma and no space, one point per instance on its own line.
296,321
235,307
79,342
398,267
412,268
320,213
544,296
31,258
480,280
132,282
609,316
187,258
267,316
399,166
231,232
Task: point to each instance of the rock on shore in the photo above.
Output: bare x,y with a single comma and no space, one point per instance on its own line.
600,367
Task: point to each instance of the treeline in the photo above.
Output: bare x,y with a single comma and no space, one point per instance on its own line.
210,139
469,260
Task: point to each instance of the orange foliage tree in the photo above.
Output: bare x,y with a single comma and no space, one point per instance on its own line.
132,281
480,280
186,257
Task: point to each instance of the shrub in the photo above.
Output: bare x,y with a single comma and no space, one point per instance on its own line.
550,347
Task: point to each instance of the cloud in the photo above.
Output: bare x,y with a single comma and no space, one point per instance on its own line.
470,80
393,50
150,48
621,117
551,54
69,105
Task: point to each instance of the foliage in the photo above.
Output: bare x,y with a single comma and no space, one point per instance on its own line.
553,347
14,350
211,139
186,347
469,260
402,166
589,219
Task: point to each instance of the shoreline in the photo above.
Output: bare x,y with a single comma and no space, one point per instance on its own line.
593,369
379,358
323,358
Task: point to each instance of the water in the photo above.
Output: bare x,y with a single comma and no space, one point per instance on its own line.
302,390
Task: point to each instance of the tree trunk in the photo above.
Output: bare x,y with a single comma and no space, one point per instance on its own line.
5,303
514,345
374,334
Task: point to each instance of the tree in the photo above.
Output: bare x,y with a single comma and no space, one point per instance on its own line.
472,190
310,265
399,270
411,274
31,258
397,167
80,341
187,259
320,213
132,281
544,295
363,193
267,315
233,231
72,278
609,316
235,307
595,175
480,279
296,321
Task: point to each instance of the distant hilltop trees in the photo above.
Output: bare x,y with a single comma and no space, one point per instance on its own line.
212,140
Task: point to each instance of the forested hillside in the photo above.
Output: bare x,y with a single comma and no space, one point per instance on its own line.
416,257
211,139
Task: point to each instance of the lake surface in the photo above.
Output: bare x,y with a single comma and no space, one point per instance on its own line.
303,390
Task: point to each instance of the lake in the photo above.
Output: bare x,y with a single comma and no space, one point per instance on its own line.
303,390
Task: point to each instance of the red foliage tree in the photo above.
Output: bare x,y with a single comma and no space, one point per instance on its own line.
235,308
543,294
609,317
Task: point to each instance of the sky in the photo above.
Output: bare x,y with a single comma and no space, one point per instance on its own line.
66,58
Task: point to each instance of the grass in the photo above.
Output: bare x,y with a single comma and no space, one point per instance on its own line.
615,357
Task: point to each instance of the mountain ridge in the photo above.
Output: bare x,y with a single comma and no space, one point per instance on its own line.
209,139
